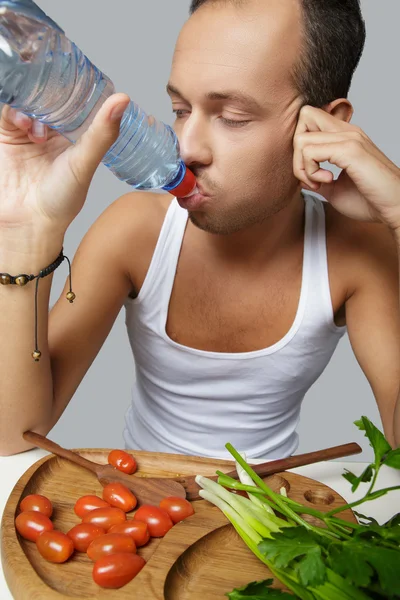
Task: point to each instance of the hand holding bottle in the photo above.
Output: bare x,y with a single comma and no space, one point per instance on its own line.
44,179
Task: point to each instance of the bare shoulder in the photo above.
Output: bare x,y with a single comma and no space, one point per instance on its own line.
136,215
361,251
129,229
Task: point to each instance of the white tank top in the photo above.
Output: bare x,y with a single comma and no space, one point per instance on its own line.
191,401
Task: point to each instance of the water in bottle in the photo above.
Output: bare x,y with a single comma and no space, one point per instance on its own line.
46,76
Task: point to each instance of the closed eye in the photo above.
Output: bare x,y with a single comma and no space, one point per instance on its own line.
234,123
181,113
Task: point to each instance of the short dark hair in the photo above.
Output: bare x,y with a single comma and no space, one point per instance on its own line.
334,37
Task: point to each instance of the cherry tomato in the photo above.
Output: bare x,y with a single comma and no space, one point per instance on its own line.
105,517
138,530
111,543
116,570
31,523
83,534
122,461
87,503
55,546
158,520
117,494
177,508
38,503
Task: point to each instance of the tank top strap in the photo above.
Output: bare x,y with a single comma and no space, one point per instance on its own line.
159,280
320,310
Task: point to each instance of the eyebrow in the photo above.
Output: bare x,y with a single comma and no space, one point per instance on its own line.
228,95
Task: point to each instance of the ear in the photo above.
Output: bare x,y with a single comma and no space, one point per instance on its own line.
341,109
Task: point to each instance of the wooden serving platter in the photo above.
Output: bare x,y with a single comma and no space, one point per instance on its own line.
200,558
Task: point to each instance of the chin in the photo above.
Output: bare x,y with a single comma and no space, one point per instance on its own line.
214,226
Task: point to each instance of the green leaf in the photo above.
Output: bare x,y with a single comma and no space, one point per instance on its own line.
258,590
369,520
348,564
393,459
389,531
312,570
357,560
298,548
350,476
376,438
393,522
365,477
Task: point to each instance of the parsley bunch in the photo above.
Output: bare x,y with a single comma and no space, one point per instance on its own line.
338,560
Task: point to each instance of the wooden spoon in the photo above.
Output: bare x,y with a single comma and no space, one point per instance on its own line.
276,466
151,490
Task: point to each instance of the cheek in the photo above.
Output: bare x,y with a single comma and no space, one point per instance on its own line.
256,158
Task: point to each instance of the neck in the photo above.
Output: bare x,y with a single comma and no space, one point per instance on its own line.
256,244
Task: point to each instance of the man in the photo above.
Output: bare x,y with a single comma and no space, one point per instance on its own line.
236,298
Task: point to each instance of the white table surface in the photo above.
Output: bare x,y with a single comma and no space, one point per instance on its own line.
329,473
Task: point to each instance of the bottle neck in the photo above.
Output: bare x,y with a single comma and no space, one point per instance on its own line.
183,183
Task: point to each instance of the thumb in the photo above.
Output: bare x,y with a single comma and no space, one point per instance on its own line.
90,149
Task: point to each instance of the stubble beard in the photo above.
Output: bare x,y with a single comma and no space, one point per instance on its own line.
238,221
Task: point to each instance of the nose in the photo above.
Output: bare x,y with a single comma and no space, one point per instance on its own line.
194,141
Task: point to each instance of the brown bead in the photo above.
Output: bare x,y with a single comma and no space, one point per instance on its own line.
21,280
5,279
36,355
71,297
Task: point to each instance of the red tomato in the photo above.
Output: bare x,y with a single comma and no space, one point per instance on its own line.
38,503
31,523
117,494
122,461
83,534
55,546
158,520
105,517
111,543
177,508
87,503
138,530
116,570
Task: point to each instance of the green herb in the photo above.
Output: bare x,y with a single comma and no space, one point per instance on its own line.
297,543
258,590
338,560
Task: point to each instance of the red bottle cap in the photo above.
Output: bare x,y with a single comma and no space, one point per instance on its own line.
186,186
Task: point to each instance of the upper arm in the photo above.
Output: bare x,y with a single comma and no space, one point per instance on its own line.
101,282
373,318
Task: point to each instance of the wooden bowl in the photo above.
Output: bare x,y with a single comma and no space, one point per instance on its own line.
200,558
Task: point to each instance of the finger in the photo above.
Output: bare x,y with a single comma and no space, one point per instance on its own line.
311,173
14,121
90,149
11,120
39,131
350,156
302,141
22,121
317,119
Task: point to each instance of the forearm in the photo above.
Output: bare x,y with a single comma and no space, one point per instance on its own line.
396,414
396,423
26,393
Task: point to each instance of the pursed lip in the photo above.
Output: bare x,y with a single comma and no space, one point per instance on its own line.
202,192
193,202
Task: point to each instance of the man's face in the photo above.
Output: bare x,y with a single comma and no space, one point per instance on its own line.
237,109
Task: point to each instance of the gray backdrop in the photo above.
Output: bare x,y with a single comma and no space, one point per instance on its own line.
133,43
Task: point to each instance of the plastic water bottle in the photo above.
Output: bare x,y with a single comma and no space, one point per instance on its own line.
46,76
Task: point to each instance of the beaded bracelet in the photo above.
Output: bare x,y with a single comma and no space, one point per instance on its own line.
23,279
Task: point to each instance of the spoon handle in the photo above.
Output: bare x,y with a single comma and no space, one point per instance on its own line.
299,460
42,442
